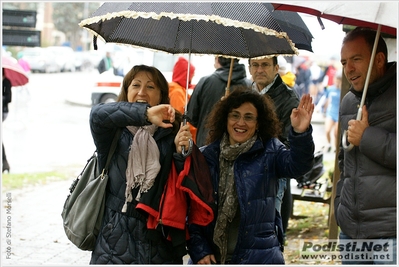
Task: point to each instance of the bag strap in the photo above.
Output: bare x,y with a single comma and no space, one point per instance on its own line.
112,149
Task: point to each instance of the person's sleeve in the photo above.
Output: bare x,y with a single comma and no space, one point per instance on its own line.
197,245
179,161
337,199
105,119
299,159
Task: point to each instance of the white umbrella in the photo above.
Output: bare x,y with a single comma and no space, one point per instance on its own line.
382,16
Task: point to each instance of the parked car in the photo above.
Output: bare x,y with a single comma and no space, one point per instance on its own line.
95,57
107,88
64,56
83,61
41,60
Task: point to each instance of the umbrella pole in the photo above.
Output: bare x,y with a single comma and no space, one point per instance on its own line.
366,85
187,83
183,150
227,92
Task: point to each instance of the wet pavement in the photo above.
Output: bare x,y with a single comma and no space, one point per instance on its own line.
32,231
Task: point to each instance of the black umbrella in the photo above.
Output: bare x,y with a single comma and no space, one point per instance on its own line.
232,29
294,26
237,29
221,28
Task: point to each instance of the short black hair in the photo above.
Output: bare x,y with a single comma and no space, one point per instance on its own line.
225,62
369,36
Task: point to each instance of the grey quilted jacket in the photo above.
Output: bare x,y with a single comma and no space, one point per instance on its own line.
365,204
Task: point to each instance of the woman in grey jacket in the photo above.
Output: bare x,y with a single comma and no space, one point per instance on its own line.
139,168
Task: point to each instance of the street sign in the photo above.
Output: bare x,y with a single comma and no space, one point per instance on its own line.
19,18
21,38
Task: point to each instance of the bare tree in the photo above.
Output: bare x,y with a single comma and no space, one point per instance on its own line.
67,16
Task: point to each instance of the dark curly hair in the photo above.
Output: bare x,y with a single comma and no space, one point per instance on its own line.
268,123
159,80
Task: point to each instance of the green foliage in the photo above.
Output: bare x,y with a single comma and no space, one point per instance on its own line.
16,181
20,5
68,15
309,221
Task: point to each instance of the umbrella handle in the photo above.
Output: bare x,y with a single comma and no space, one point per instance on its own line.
344,139
344,144
190,146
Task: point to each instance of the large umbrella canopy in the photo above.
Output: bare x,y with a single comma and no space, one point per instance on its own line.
294,26
382,16
363,14
13,71
232,29
235,29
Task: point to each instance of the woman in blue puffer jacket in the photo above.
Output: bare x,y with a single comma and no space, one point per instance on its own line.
246,159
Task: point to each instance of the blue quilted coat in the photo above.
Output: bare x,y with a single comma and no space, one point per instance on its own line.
255,173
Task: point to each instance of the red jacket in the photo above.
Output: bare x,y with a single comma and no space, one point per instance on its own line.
177,88
187,197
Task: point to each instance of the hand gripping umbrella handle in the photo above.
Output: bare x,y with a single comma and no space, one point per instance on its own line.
344,140
190,146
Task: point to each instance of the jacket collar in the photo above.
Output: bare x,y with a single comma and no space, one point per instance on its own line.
270,89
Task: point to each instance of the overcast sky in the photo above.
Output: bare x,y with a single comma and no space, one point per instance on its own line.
327,42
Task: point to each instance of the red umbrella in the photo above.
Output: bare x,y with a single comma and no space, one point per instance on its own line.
13,71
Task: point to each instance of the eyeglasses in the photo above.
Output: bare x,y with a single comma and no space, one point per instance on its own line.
263,65
235,116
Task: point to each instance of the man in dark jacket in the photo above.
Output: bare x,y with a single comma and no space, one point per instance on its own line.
209,90
267,81
365,202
